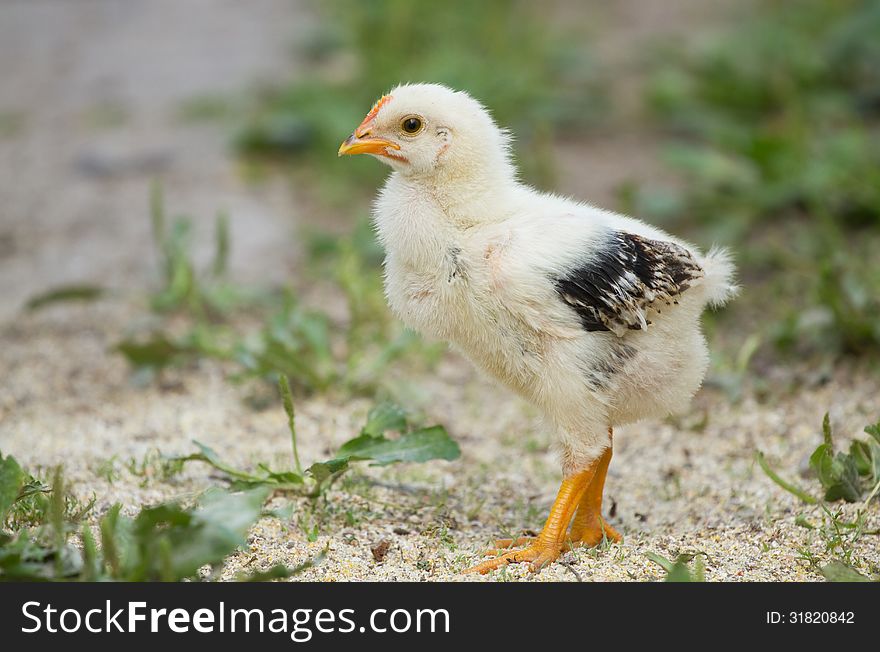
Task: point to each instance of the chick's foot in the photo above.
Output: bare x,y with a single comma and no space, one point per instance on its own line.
549,544
588,528
593,534
539,554
581,535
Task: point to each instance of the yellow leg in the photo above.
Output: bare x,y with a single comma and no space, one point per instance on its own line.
588,527
548,545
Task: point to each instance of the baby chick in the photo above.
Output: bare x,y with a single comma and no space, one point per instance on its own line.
592,316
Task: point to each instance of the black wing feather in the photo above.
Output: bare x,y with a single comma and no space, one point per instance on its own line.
627,276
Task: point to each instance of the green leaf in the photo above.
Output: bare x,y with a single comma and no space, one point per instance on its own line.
281,477
837,571
241,479
277,572
874,447
826,432
280,571
166,542
838,474
860,452
874,431
323,470
65,293
31,487
11,479
91,569
56,518
233,512
170,543
361,446
294,343
678,571
22,559
847,484
681,573
287,399
156,352
789,487
207,454
416,446
174,543
660,560
385,417
822,462
111,540
221,248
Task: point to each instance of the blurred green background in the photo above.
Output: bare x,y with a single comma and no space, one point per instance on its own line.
750,125
766,128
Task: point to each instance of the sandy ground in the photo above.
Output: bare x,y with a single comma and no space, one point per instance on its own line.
74,209
94,91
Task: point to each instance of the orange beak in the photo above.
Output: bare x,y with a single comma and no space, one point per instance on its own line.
361,143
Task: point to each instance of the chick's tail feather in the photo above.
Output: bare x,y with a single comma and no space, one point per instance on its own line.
719,282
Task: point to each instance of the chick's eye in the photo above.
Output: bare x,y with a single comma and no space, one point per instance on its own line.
411,125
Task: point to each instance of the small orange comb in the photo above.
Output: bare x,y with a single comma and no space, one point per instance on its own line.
382,101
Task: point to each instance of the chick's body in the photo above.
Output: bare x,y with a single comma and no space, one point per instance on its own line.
486,284
592,316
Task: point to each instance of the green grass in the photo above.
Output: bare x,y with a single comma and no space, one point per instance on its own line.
837,537
774,128
66,293
315,352
183,287
539,80
44,533
414,444
680,569
852,476
772,125
40,521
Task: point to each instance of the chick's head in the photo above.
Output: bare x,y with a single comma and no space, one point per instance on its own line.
425,130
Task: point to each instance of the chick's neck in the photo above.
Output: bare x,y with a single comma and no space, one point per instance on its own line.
469,195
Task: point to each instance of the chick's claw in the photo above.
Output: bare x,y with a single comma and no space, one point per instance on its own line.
586,537
506,544
538,555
